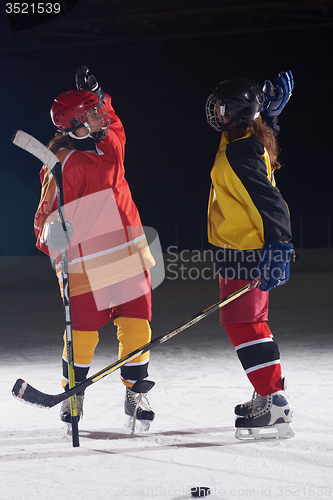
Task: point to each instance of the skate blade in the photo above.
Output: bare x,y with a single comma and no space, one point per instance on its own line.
140,425
68,428
277,431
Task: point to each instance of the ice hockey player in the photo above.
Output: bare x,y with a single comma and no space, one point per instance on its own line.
107,248
249,230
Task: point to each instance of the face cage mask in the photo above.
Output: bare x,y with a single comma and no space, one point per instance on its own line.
101,119
215,111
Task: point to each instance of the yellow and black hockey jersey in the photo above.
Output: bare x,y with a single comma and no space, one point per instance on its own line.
246,209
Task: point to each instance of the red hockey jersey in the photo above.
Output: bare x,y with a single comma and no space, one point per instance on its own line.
108,243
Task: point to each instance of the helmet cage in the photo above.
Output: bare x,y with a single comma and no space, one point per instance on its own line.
75,109
96,120
214,113
241,105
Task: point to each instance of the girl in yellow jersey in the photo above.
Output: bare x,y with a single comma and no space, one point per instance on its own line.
249,230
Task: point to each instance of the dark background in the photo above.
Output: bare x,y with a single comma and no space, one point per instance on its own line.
160,60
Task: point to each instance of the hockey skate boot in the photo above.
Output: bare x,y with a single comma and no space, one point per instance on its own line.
65,411
245,409
138,412
265,417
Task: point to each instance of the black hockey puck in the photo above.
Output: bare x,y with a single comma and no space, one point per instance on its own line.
200,491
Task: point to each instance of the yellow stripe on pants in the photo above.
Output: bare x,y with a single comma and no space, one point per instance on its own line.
132,333
84,345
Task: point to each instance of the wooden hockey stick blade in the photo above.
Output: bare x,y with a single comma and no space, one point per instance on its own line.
36,148
28,394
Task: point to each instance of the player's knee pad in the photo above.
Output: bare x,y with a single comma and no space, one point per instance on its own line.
240,333
132,333
84,344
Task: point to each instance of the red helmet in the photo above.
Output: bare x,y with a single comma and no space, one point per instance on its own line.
71,109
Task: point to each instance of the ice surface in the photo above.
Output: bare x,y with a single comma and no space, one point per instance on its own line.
198,382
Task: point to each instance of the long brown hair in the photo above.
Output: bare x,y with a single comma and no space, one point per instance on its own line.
263,134
60,141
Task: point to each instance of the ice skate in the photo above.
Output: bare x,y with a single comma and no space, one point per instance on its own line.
65,411
244,409
265,417
138,412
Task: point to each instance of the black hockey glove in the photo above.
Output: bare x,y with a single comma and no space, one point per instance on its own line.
84,80
54,235
274,266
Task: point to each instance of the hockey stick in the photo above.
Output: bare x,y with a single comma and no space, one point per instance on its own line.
36,148
28,394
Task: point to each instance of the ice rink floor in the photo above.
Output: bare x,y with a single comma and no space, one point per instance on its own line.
198,379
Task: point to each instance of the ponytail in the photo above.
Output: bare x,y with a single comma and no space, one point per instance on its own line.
60,141
263,134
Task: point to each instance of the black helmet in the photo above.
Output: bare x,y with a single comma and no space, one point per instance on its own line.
238,99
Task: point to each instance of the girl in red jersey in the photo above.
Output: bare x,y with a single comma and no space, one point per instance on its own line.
108,256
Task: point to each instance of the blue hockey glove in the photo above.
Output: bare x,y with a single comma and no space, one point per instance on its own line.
277,96
274,266
55,236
